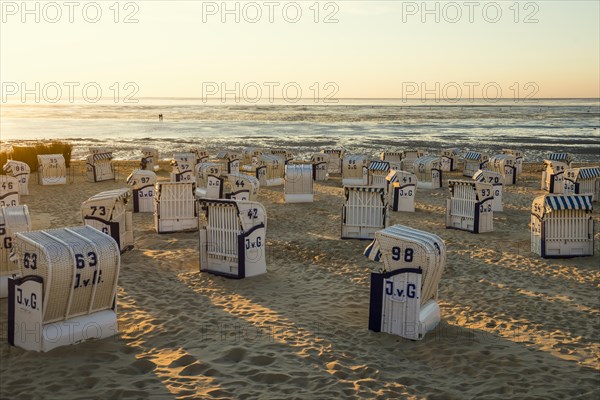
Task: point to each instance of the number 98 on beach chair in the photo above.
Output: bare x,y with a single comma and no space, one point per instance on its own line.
21,171
403,296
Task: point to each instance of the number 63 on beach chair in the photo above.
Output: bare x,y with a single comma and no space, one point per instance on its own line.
66,292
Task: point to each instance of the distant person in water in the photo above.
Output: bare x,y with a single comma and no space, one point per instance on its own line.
160,117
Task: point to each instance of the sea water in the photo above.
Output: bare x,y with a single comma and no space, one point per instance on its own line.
361,126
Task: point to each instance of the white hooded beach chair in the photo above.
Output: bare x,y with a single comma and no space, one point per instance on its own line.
553,174
270,170
21,171
449,159
298,183
562,226
583,181
320,166
183,167
469,207
149,159
107,212
428,171
12,220
378,172
142,187
494,179
409,157
519,158
99,165
233,238
230,162
209,183
403,297
175,207
474,161
66,292
355,170
285,154
9,191
201,155
364,212
402,190
505,164
335,159
392,156
52,169
249,154
243,187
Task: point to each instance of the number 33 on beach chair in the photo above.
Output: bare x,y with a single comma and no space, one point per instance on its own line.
403,296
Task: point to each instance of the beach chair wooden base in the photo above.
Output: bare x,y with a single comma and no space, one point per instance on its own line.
27,330
299,198
401,315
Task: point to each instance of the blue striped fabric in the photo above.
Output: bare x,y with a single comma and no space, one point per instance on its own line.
472,155
379,166
365,189
479,176
559,157
103,156
373,252
568,202
589,173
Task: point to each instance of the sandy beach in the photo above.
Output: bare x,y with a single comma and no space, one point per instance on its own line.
513,325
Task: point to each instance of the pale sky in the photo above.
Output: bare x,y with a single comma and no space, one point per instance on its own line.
376,49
